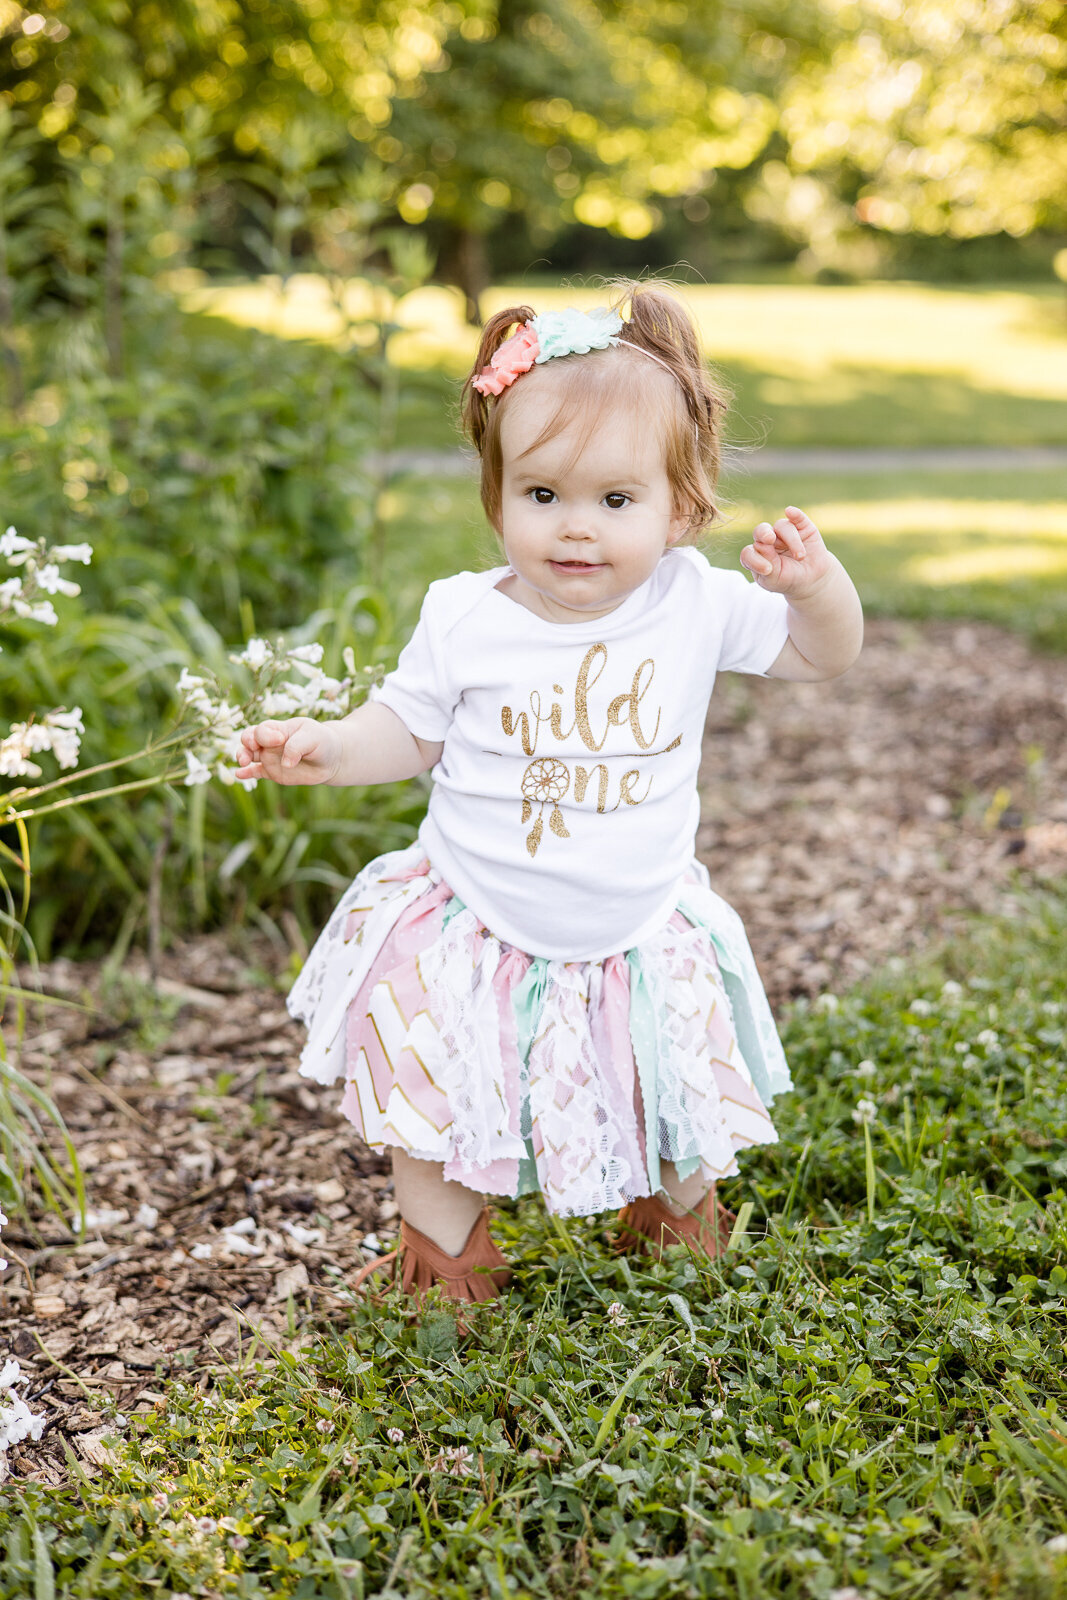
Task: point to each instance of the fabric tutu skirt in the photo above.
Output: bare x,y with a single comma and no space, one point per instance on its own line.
522,1073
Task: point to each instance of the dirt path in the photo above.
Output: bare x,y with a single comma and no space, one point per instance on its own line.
848,822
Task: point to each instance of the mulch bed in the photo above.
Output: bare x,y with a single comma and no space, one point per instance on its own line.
849,822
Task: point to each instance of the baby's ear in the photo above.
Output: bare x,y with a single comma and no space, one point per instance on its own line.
681,522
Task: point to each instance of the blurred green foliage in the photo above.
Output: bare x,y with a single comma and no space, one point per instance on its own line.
852,134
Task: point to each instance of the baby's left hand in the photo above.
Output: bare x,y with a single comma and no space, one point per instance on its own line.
789,558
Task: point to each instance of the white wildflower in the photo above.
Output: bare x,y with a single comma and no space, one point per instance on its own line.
921,1008
66,729
14,752
44,611
866,1069
828,1003
455,1460
256,654
196,771
308,668
1057,1545
277,704
50,581
988,1039
221,719
12,546
866,1111
716,1413
616,1313
8,590
305,652
395,1435
17,1421
812,1405
188,685
72,552
952,990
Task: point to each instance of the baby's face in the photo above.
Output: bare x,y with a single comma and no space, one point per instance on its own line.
582,532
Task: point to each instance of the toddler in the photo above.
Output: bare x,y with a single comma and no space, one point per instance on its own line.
544,991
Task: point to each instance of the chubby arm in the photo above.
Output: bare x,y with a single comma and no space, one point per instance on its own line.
825,614
370,745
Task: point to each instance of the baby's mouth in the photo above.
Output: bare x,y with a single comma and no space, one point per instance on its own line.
577,566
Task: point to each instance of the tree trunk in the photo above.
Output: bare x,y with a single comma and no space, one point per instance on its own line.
16,392
472,272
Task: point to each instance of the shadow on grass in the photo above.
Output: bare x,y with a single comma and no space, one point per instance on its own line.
853,405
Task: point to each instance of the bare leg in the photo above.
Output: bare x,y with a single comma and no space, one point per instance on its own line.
444,1211
683,1194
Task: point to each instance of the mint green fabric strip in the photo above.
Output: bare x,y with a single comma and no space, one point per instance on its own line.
647,1037
528,1000
757,1036
452,909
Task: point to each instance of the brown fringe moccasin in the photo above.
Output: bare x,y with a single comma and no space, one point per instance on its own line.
648,1227
477,1274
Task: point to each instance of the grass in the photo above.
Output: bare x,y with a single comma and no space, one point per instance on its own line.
898,363
869,1397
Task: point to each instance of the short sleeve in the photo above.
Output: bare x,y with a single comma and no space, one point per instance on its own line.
417,689
754,622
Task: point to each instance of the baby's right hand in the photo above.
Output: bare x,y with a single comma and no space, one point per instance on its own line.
297,750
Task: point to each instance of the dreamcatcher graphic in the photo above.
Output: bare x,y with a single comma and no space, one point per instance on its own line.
544,783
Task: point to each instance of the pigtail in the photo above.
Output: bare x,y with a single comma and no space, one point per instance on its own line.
474,406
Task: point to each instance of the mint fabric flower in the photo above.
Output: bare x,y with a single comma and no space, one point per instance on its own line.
572,332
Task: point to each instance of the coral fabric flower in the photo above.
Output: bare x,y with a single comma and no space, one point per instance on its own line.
516,355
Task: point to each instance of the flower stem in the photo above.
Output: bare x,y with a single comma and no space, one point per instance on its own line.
94,794
21,795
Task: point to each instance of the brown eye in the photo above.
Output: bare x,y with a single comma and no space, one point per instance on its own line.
616,501
542,497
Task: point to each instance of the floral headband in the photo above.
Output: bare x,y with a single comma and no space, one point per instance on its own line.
554,333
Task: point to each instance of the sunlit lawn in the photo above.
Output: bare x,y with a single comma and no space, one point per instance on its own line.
886,363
